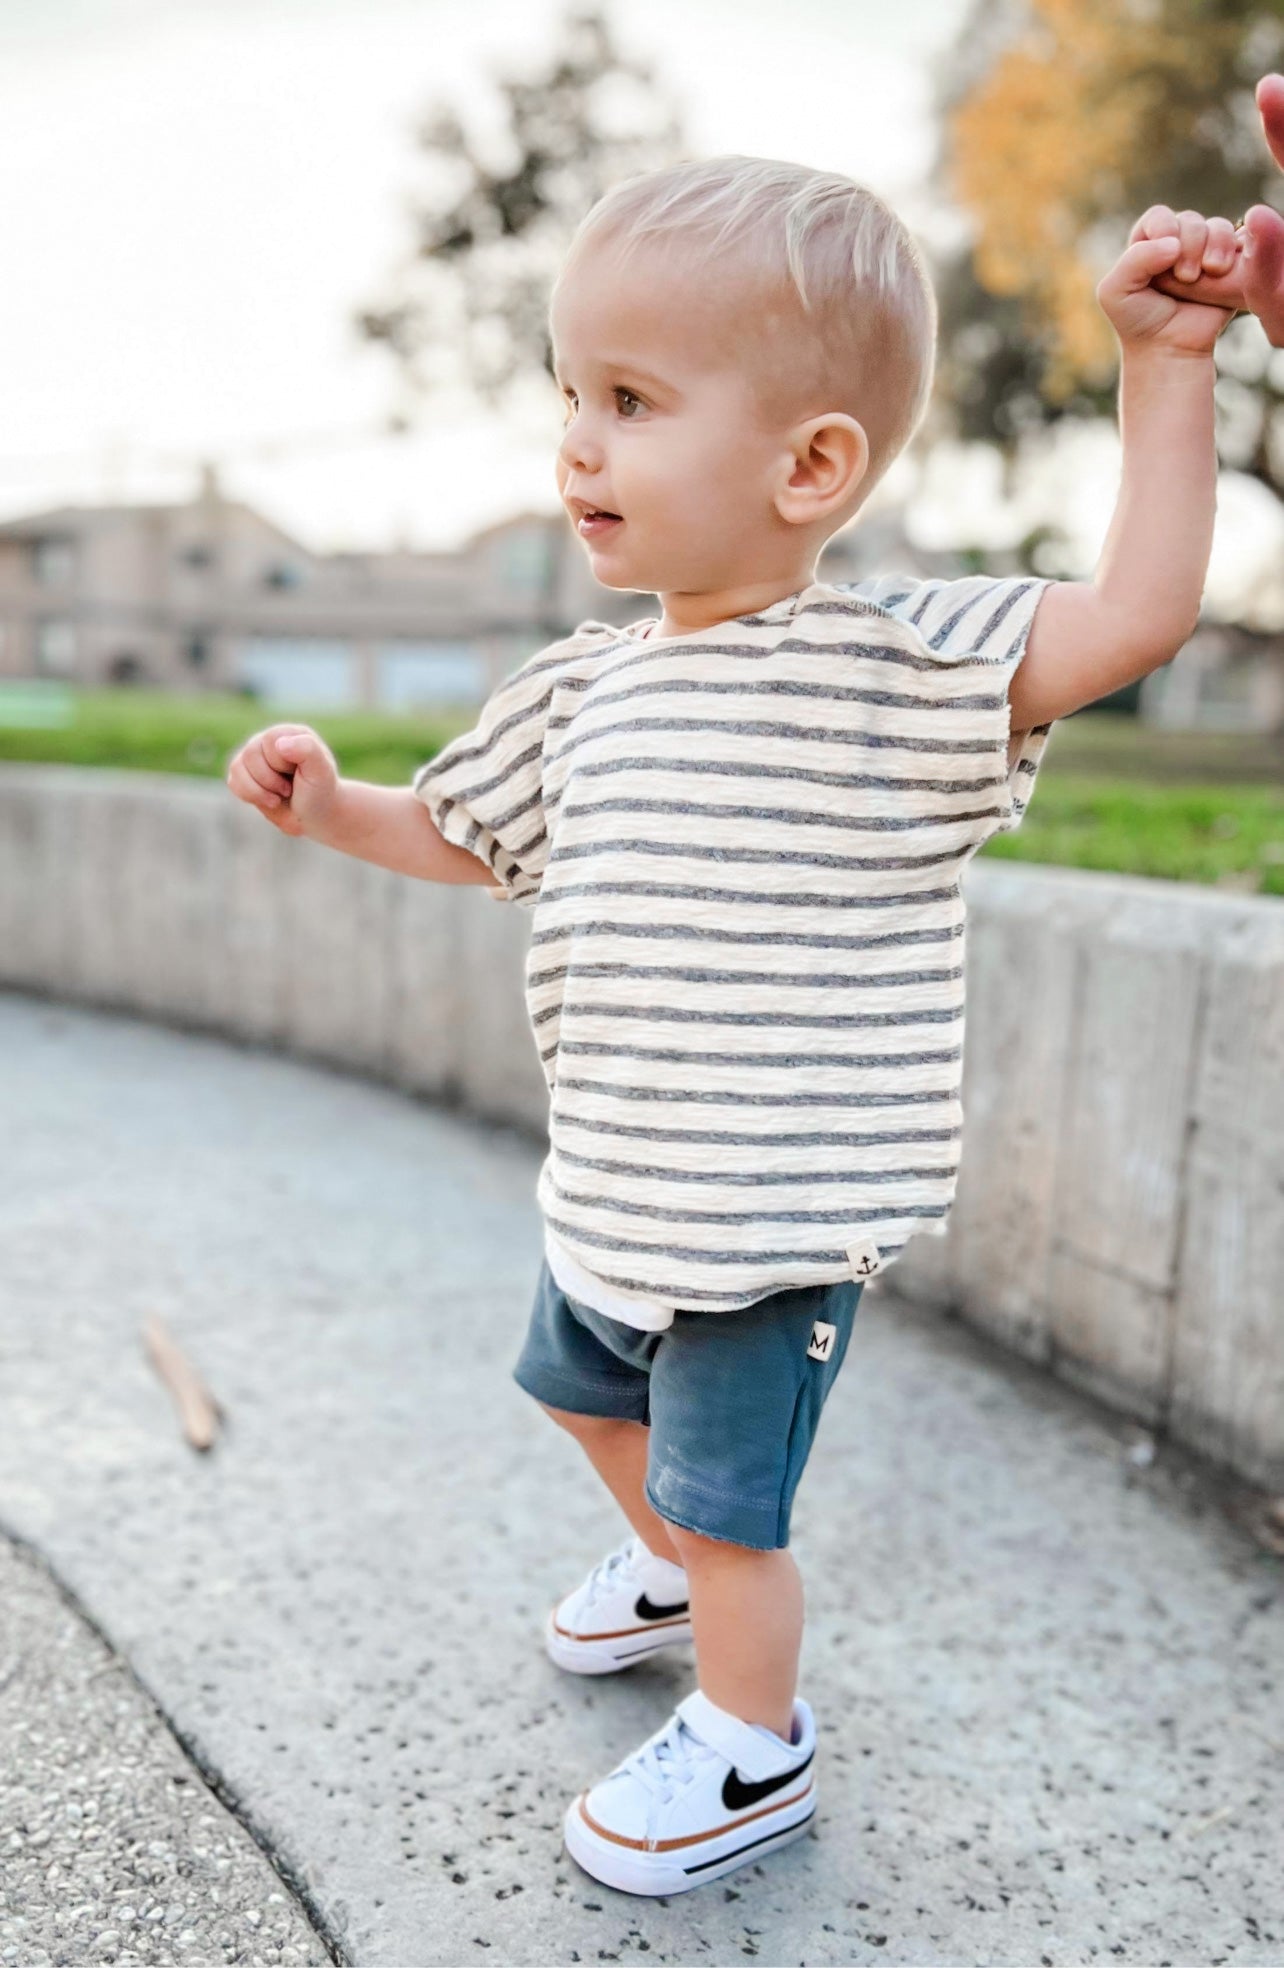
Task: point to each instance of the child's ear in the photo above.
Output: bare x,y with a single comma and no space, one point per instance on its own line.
826,460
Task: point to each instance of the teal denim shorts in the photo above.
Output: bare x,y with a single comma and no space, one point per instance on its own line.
732,1399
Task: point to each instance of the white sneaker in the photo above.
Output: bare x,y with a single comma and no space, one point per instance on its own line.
703,1796
631,1604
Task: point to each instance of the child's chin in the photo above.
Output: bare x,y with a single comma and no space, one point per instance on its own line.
622,578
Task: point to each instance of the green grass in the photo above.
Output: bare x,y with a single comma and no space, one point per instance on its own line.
1122,797
150,731
1224,836
1113,795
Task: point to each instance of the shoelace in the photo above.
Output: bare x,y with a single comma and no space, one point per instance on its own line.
604,1572
669,1763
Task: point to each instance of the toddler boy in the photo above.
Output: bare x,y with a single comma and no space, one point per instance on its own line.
742,826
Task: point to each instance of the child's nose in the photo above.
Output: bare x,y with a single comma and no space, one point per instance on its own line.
579,450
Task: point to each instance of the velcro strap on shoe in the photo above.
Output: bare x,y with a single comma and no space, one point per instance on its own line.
753,1755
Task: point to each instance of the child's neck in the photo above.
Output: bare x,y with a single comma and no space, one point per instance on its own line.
683,613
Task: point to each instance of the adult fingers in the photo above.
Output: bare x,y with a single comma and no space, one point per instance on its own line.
1262,269
1224,290
1270,103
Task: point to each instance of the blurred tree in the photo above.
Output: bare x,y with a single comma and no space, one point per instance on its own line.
469,302
1062,121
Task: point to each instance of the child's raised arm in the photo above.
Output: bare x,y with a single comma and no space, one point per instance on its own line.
1090,638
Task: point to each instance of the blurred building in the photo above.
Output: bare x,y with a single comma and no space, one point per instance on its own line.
1227,678
208,595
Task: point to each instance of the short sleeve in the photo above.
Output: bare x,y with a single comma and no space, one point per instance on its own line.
980,615
484,789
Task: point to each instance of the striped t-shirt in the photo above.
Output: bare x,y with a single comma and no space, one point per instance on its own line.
743,849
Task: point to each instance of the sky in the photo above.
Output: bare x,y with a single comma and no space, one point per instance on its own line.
207,189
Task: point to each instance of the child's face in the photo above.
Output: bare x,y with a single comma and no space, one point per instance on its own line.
663,430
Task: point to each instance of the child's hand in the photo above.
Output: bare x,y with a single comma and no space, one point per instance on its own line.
1177,283
289,774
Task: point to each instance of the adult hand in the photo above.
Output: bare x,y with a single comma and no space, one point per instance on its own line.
1262,263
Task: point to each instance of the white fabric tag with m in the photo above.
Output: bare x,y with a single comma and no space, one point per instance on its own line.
823,1336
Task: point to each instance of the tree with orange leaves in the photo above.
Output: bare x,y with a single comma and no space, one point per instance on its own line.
1068,118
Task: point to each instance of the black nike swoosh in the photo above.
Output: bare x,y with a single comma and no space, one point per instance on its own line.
646,1611
736,1793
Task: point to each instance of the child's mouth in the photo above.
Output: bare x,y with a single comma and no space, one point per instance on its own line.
594,523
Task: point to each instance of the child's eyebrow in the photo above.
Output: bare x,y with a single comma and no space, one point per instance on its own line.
621,366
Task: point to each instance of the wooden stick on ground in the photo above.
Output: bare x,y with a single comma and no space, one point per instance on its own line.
198,1411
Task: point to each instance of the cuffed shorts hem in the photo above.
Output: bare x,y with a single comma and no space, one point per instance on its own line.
578,1393
725,1521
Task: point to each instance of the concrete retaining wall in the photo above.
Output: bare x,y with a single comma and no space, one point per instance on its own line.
1120,1209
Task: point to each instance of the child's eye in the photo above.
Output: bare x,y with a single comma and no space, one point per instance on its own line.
627,403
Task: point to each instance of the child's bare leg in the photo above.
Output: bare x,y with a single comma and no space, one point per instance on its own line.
747,1624
617,1450
746,1605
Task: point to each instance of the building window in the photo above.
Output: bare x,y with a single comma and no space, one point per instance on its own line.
55,648
298,672
126,668
196,649
282,575
198,554
53,560
426,676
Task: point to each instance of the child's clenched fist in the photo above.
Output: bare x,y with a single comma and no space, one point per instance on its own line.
1177,284
290,774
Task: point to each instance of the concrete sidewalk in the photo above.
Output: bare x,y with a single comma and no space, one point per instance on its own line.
112,1847
1047,1682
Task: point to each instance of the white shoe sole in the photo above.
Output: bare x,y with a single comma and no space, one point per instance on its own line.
608,1653
631,1869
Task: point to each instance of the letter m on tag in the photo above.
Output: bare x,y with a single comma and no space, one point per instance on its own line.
822,1340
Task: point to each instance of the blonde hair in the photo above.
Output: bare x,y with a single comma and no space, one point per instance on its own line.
842,313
